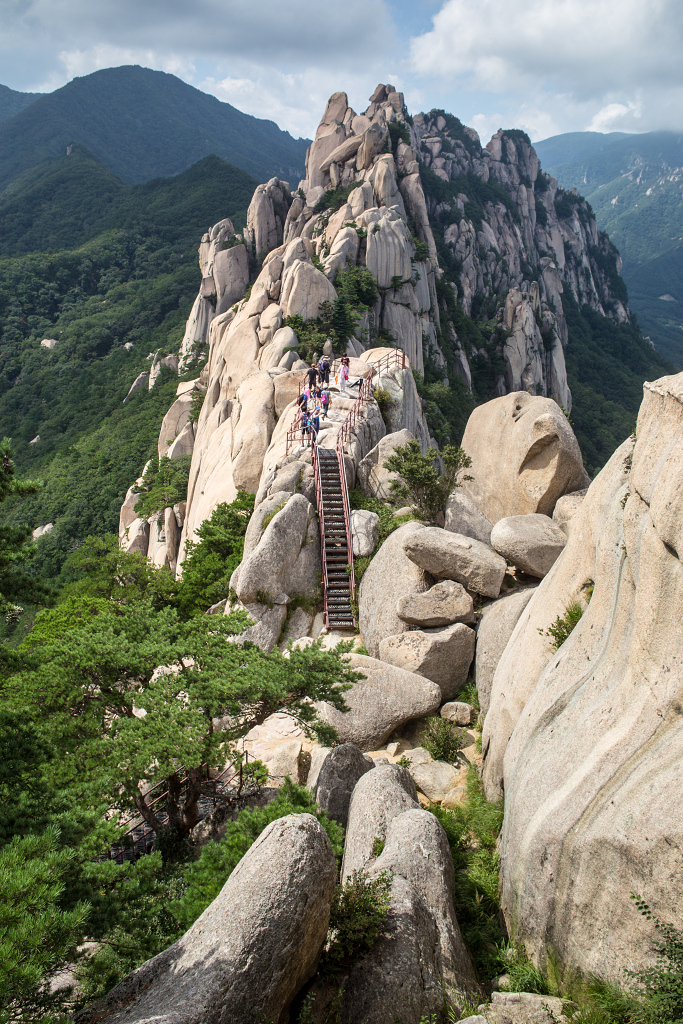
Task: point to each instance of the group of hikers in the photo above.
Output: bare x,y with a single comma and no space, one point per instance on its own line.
314,400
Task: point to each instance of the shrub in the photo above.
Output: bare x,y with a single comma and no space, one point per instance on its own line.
421,251
563,625
524,975
442,739
661,986
472,831
197,402
335,198
359,909
421,483
210,562
164,484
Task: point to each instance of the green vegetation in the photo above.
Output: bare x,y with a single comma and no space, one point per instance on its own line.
563,625
156,903
164,484
607,363
210,562
337,321
479,193
420,480
472,831
143,124
629,182
132,283
334,198
359,909
442,739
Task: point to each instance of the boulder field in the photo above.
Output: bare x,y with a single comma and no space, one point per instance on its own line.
583,740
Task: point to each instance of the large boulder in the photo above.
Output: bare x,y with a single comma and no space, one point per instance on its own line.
442,655
599,720
417,850
251,950
385,699
253,419
533,543
339,773
304,289
401,978
453,556
365,531
231,276
434,778
286,561
493,632
390,576
442,604
371,475
524,456
377,798
566,508
463,516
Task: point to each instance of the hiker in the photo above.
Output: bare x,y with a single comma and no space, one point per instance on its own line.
312,374
302,401
324,370
305,429
325,401
343,376
315,423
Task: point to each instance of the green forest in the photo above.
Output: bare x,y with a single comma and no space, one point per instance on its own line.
110,264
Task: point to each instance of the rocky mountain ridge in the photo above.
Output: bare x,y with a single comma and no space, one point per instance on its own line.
524,538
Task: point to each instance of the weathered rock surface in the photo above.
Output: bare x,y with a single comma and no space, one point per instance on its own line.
337,777
456,557
443,655
286,561
251,950
377,798
459,713
365,531
442,604
386,698
372,477
434,778
390,576
566,508
417,850
524,1008
524,456
463,516
401,978
532,543
599,720
493,632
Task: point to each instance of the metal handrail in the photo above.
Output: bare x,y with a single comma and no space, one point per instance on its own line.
321,524
347,517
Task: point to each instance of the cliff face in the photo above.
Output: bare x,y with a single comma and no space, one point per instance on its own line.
450,232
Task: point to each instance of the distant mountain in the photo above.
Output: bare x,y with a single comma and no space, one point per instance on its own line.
63,202
635,185
145,124
12,102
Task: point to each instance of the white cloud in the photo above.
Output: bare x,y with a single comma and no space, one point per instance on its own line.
561,64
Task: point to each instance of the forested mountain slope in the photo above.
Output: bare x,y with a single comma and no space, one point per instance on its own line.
143,124
635,185
12,102
109,264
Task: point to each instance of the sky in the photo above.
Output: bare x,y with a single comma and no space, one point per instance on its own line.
547,66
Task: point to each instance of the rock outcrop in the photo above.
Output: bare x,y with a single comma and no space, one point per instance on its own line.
599,720
524,456
251,950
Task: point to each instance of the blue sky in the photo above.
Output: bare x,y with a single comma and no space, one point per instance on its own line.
548,66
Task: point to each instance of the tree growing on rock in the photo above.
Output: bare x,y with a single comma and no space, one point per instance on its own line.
126,724
422,482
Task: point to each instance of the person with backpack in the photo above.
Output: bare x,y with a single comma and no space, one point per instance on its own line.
305,428
315,423
325,401
324,370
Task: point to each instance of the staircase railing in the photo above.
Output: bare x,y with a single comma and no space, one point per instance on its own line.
320,505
